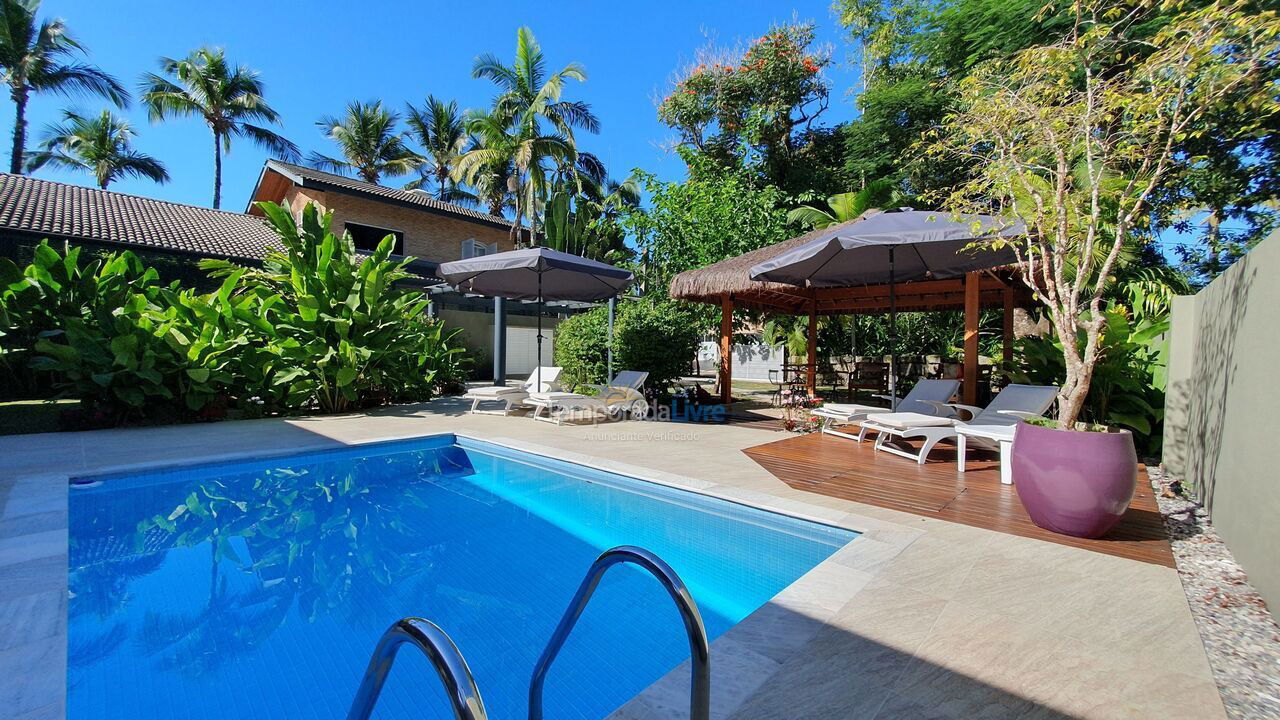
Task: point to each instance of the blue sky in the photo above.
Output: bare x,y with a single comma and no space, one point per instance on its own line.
315,57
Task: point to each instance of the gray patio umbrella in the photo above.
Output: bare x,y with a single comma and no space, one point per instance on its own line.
892,247
536,274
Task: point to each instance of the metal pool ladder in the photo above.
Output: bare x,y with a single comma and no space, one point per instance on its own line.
699,651
444,656
456,676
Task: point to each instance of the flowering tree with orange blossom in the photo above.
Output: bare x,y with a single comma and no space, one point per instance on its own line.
751,105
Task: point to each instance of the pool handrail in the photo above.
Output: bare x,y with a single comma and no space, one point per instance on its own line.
699,649
444,656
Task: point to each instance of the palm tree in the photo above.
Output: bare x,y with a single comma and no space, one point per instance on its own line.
513,130
100,144
490,182
367,138
606,207
502,144
229,99
37,58
849,206
442,131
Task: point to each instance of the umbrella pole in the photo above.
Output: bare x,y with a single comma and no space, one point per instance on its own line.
893,339
613,306
539,359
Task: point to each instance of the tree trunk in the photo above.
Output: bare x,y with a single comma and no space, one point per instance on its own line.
20,96
1072,401
442,179
515,226
1214,224
217,170
533,219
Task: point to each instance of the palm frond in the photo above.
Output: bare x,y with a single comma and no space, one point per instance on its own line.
808,216
324,162
283,148
81,79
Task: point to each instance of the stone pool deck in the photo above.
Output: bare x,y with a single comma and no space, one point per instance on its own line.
918,618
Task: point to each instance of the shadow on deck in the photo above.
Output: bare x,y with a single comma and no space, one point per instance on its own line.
841,468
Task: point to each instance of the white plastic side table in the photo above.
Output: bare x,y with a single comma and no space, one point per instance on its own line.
1001,434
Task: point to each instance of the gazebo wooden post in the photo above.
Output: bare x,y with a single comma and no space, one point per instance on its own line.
971,296
1007,349
726,349
811,370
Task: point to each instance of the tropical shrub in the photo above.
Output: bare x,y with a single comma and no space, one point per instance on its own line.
1128,381
87,326
32,301
342,335
655,336
581,350
319,327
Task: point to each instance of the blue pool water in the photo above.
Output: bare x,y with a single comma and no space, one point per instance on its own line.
258,589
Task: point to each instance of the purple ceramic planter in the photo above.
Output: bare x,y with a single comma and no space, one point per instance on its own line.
1074,483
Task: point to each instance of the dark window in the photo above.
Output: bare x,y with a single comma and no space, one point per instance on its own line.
367,237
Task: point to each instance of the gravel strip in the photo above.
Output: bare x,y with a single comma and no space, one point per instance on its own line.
1239,634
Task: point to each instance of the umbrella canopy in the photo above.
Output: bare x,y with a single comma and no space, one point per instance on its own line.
892,247
536,274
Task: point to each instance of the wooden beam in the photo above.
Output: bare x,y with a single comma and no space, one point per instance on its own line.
950,301
811,371
902,290
1007,347
726,349
971,285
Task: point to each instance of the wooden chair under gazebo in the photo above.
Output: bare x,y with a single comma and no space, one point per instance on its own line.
728,284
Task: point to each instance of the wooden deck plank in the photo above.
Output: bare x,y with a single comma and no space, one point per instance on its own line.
844,469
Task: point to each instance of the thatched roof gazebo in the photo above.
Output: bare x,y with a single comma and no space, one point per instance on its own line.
728,284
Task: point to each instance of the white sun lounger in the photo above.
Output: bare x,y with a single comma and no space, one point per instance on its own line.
921,399
1012,404
622,396
513,395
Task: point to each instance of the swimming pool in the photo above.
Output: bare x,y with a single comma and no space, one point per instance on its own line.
257,589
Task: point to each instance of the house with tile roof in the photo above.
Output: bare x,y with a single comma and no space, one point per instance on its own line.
174,236
424,227
32,209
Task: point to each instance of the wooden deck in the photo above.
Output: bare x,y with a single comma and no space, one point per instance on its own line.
845,469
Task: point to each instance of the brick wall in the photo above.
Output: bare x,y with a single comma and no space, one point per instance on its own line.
427,236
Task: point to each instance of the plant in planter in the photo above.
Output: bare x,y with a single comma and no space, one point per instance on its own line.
797,413
1084,140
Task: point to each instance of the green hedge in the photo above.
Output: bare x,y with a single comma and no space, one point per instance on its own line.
656,336
318,328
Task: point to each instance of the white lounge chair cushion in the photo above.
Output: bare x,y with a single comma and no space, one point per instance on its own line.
558,396
840,409
495,391
908,420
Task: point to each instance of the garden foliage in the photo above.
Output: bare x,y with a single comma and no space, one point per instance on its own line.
655,336
318,327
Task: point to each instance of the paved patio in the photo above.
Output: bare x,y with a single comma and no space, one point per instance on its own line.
918,618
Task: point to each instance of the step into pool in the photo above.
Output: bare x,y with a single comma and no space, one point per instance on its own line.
258,588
